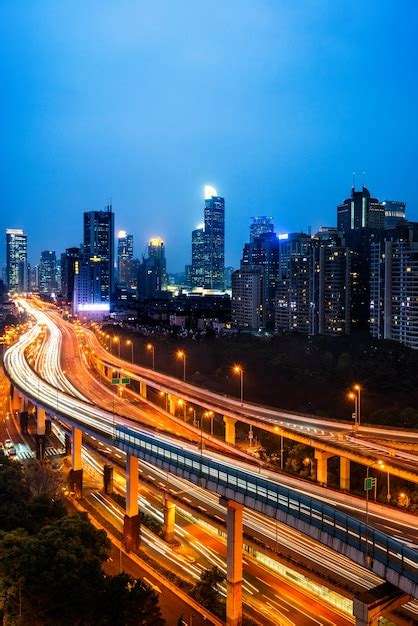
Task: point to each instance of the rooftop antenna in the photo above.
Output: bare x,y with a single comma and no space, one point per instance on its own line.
354,180
364,173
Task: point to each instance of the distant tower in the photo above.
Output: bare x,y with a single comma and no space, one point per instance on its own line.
125,256
197,274
259,226
99,249
47,272
16,260
156,251
214,239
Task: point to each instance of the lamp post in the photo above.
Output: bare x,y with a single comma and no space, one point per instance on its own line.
212,417
183,404
182,355
162,393
240,372
357,388
193,411
129,342
117,340
151,349
367,486
353,396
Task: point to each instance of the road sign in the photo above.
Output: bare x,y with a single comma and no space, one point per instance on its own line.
126,381
369,483
116,381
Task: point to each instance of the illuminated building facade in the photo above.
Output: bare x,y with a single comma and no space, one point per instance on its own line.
48,273
152,273
395,212
214,218
16,260
124,258
98,245
68,260
197,272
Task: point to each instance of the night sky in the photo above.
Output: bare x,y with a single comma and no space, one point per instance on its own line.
273,102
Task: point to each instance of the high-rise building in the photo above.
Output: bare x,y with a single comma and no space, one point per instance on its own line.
47,272
228,277
313,293
361,220
246,303
69,258
395,212
16,260
98,246
360,211
214,218
197,274
152,274
394,286
263,254
259,226
125,256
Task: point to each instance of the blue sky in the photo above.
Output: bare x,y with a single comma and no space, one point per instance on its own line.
274,102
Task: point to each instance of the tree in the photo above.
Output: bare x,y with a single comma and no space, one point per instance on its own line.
206,590
128,602
42,480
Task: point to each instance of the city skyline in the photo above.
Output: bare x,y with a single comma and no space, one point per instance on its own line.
269,114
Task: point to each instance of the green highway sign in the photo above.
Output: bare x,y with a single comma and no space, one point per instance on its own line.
116,381
369,483
126,381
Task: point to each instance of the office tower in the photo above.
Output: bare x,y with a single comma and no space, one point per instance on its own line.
47,272
88,288
313,292
69,258
263,254
395,212
214,218
295,294
333,291
33,274
361,220
360,211
16,260
156,251
125,256
197,274
394,286
259,226
152,274
98,247
246,303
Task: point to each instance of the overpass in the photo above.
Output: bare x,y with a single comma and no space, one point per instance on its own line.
238,486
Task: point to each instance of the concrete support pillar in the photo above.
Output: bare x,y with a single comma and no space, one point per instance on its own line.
108,478
131,523
230,430
75,477
143,389
370,606
233,562
40,434
321,458
172,403
344,474
169,520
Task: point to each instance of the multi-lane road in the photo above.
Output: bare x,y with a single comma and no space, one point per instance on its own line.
68,391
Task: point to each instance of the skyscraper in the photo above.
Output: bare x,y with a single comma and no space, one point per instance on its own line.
47,272
246,303
98,247
69,258
214,218
152,274
395,212
260,225
360,211
394,286
16,260
125,256
197,273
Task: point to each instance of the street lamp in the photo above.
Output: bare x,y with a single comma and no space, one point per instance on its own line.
183,404
117,340
162,393
182,355
353,396
237,369
357,388
193,411
212,417
129,342
151,349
